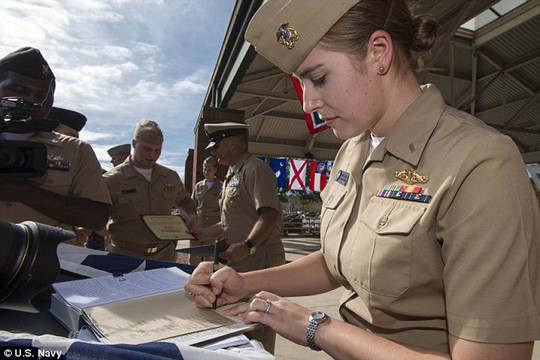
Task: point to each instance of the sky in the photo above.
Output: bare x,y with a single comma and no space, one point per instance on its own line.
118,61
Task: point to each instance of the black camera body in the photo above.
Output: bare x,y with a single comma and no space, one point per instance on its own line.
22,159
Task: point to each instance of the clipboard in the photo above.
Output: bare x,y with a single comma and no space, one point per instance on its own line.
167,227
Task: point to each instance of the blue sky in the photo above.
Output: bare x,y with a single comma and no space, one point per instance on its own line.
117,61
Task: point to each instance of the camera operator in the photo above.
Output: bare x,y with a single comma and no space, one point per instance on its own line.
71,192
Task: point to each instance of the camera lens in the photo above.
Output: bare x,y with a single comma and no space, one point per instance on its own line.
28,261
15,249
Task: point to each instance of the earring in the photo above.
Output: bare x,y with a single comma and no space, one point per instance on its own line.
382,70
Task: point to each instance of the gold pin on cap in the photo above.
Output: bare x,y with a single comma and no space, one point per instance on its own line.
287,35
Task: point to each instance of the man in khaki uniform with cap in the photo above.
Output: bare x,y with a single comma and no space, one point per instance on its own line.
119,153
71,192
251,219
140,186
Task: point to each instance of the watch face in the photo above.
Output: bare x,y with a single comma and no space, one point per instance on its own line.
252,250
318,316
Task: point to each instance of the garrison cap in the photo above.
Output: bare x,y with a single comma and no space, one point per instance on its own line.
285,31
73,119
149,131
216,132
119,149
27,61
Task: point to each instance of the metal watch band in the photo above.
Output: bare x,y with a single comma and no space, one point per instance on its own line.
312,327
314,320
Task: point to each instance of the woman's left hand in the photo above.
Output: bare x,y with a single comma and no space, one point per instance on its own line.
285,317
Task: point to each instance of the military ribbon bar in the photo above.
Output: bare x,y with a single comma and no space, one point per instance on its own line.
400,192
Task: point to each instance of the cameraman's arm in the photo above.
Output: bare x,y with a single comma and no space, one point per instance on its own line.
76,211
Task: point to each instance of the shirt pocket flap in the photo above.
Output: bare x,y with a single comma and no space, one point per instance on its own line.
130,199
335,198
385,216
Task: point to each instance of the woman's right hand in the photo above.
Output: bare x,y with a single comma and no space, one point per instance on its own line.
225,284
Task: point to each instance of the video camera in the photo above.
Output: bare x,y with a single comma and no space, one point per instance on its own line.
22,159
28,261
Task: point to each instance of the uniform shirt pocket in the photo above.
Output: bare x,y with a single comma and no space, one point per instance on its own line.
383,247
58,182
232,191
129,205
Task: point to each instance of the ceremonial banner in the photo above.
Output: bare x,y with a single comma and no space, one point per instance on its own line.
318,174
329,166
279,168
297,174
313,121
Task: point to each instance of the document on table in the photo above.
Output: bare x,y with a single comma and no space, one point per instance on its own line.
140,307
152,318
107,289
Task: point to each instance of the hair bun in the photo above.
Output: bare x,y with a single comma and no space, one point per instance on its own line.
424,29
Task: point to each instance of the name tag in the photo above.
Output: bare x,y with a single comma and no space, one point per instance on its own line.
342,177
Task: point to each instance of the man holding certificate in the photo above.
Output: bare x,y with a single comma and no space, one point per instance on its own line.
139,188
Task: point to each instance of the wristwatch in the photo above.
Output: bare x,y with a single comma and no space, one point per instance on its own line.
314,320
251,246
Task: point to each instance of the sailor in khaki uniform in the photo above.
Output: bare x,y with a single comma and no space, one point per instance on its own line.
250,209
71,192
140,186
119,153
429,220
206,197
251,219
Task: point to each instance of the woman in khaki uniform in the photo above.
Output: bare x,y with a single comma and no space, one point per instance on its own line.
206,198
429,221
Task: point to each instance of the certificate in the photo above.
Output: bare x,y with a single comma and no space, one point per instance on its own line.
167,227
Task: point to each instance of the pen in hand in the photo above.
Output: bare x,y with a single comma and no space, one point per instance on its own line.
215,268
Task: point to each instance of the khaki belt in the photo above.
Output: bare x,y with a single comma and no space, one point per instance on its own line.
140,249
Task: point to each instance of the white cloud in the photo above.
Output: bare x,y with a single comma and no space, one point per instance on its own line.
118,61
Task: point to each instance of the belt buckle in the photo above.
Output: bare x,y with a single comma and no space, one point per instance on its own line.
152,250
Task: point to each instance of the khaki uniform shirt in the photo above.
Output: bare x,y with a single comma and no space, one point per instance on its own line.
132,195
251,185
207,202
208,213
461,256
73,170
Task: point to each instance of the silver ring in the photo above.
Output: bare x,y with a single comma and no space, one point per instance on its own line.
267,306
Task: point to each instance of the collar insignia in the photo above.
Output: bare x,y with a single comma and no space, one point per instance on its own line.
287,35
411,177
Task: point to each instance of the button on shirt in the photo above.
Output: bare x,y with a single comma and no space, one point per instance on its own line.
465,261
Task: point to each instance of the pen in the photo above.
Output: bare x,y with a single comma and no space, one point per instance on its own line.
215,268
